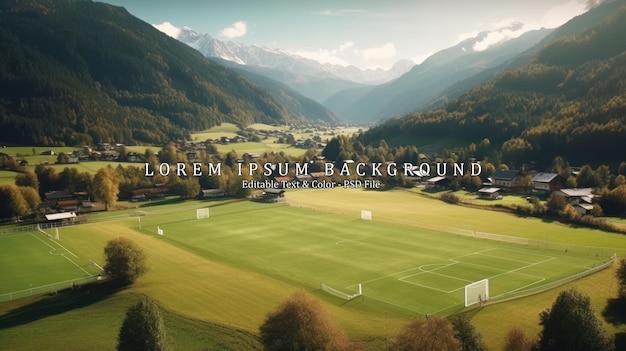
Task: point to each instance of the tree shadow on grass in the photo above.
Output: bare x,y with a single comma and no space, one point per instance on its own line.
615,312
620,341
60,302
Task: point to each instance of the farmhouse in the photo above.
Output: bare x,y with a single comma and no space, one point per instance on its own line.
578,195
437,183
507,180
490,193
583,208
546,183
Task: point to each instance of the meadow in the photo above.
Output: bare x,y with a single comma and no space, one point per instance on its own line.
217,278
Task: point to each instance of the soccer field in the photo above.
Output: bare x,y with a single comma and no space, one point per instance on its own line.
30,262
406,269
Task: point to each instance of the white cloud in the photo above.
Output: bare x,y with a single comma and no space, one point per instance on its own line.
345,46
335,56
500,36
466,35
323,56
384,52
169,29
235,30
510,28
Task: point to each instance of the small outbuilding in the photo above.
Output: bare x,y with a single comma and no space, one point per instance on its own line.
489,193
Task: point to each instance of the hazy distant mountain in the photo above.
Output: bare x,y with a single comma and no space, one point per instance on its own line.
298,105
576,25
569,100
424,82
309,77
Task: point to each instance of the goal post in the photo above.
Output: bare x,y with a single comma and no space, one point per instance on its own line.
202,213
342,294
477,292
366,215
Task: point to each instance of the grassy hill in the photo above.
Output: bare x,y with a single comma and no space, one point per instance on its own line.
87,72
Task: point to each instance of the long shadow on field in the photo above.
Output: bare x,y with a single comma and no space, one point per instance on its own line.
61,302
615,311
620,341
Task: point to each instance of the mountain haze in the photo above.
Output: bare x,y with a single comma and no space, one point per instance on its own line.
309,77
424,82
82,72
568,101
574,26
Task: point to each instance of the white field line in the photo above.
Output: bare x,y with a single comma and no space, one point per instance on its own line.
454,261
67,258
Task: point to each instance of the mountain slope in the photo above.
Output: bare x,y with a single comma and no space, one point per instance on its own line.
298,105
81,72
574,26
425,81
570,101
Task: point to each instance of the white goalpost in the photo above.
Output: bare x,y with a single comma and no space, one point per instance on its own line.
366,215
202,213
477,292
342,294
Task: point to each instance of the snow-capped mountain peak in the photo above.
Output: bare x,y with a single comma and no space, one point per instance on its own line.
254,55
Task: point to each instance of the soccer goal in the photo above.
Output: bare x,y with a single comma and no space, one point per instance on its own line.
342,294
366,215
477,292
202,213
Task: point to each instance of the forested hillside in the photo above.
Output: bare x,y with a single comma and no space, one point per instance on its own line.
77,71
570,101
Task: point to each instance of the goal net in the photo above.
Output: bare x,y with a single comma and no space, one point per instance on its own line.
477,292
366,215
202,213
342,294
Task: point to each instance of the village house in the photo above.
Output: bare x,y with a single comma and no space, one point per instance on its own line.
490,193
506,180
546,183
439,182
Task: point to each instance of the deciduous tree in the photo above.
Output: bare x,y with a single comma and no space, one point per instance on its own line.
516,340
571,325
125,261
143,328
467,335
433,334
300,324
106,185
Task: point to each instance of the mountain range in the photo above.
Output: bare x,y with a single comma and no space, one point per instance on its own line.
310,78
77,71
568,100
425,82
367,95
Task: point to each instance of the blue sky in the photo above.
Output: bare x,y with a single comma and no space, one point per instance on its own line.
364,33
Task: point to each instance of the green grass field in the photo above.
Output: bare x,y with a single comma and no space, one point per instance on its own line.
419,271
225,273
32,261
